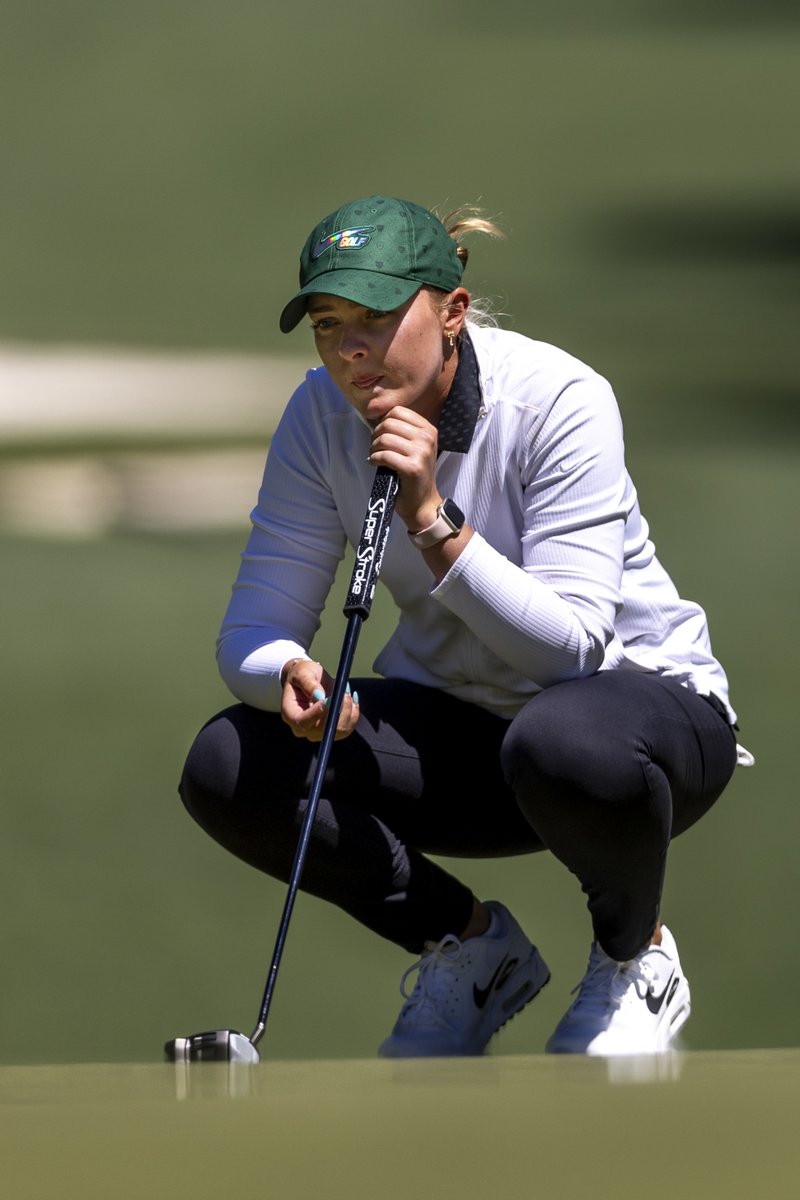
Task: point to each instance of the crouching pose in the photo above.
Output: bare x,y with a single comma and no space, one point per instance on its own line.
546,688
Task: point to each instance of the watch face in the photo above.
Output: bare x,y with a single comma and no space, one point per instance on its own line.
452,514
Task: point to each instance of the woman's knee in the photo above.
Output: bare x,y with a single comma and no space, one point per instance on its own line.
567,739
232,756
211,767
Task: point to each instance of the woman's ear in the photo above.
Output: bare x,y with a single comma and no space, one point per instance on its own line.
455,311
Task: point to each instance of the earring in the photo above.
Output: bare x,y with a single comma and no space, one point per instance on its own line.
451,337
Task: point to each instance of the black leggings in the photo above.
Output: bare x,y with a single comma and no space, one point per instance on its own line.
602,772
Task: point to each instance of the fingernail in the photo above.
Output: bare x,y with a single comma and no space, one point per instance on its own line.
355,698
318,694
327,703
347,689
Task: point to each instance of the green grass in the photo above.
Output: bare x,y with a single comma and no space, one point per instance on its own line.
720,1128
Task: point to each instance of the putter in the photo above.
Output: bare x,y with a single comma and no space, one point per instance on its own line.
229,1045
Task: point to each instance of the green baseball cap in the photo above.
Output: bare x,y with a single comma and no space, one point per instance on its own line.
377,252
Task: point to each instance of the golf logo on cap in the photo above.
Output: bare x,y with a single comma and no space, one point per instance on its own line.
345,239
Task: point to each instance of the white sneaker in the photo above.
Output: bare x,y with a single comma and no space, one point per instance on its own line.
465,991
634,1007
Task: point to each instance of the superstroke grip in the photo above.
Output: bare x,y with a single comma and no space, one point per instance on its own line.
372,543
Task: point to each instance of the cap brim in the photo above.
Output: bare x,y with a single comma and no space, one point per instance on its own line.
370,288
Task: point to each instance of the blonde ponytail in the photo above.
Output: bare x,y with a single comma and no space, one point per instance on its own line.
462,221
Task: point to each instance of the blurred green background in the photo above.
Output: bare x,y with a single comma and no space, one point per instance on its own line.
162,165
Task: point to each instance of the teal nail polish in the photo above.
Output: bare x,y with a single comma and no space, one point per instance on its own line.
317,694
327,703
347,689
355,698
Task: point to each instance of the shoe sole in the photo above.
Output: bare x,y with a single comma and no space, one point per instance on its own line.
522,997
680,1016
528,991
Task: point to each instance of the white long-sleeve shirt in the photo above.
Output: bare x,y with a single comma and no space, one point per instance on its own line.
560,579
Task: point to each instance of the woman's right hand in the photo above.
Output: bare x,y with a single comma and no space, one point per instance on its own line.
306,688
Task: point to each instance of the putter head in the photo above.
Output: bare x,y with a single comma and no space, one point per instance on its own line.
216,1045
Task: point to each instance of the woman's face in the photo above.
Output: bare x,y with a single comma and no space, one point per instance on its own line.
379,360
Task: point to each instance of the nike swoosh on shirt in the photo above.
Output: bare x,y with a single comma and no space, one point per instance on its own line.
481,995
655,1003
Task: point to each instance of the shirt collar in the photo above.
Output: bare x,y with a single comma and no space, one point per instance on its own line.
463,402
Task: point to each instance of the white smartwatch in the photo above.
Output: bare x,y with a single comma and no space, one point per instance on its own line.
449,521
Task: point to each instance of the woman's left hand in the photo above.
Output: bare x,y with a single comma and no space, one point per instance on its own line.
304,703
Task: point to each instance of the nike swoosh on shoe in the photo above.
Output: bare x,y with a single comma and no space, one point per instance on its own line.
481,995
656,1003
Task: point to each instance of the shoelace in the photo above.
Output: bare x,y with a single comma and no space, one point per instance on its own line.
638,974
442,953
607,982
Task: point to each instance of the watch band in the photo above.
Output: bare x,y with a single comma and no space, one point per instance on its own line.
449,521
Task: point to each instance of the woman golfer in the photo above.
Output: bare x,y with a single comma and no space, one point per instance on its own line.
545,687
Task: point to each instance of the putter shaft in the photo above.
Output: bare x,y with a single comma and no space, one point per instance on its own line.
369,556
